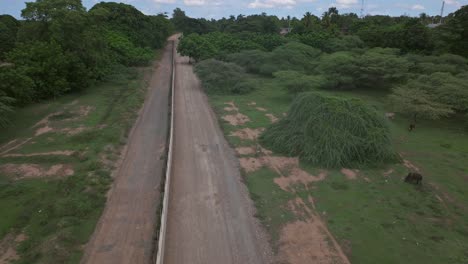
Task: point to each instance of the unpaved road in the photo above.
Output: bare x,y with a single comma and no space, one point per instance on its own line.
126,229
210,216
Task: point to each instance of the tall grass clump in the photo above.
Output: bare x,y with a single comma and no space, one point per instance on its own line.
220,77
331,131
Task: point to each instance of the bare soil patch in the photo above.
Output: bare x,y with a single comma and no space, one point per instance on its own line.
251,164
23,171
411,166
299,176
246,150
231,107
51,153
237,119
252,103
12,145
248,133
350,174
43,130
288,169
388,173
308,240
8,246
261,109
74,131
272,118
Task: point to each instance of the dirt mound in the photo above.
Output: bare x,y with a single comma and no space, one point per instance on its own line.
22,171
237,119
308,240
248,133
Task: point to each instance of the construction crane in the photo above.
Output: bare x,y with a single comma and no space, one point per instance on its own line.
362,8
442,12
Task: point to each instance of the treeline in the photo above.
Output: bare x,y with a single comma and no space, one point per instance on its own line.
61,47
422,82
409,34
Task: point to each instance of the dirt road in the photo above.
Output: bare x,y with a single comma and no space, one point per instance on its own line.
125,231
210,216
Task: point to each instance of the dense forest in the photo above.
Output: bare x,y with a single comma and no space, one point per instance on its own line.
60,47
423,68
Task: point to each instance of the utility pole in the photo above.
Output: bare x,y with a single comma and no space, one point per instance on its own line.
362,8
442,12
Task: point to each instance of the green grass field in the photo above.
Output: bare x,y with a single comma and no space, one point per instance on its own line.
58,213
377,218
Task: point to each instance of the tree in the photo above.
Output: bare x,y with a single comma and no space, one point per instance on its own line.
5,109
417,103
453,36
14,83
8,30
196,47
46,64
296,82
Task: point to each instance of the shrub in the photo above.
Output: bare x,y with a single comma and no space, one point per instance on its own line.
5,109
331,131
251,60
296,82
127,53
220,77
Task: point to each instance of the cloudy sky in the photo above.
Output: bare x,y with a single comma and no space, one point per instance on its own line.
223,8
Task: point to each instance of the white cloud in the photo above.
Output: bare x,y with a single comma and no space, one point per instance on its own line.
194,2
453,2
202,2
164,1
272,3
345,4
418,7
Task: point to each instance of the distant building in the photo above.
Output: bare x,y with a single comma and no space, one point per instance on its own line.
285,31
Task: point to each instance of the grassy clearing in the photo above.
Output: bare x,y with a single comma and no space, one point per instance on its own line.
58,214
376,218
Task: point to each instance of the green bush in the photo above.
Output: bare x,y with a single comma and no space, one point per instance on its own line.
251,60
5,109
220,77
292,56
127,53
331,131
16,84
296,82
